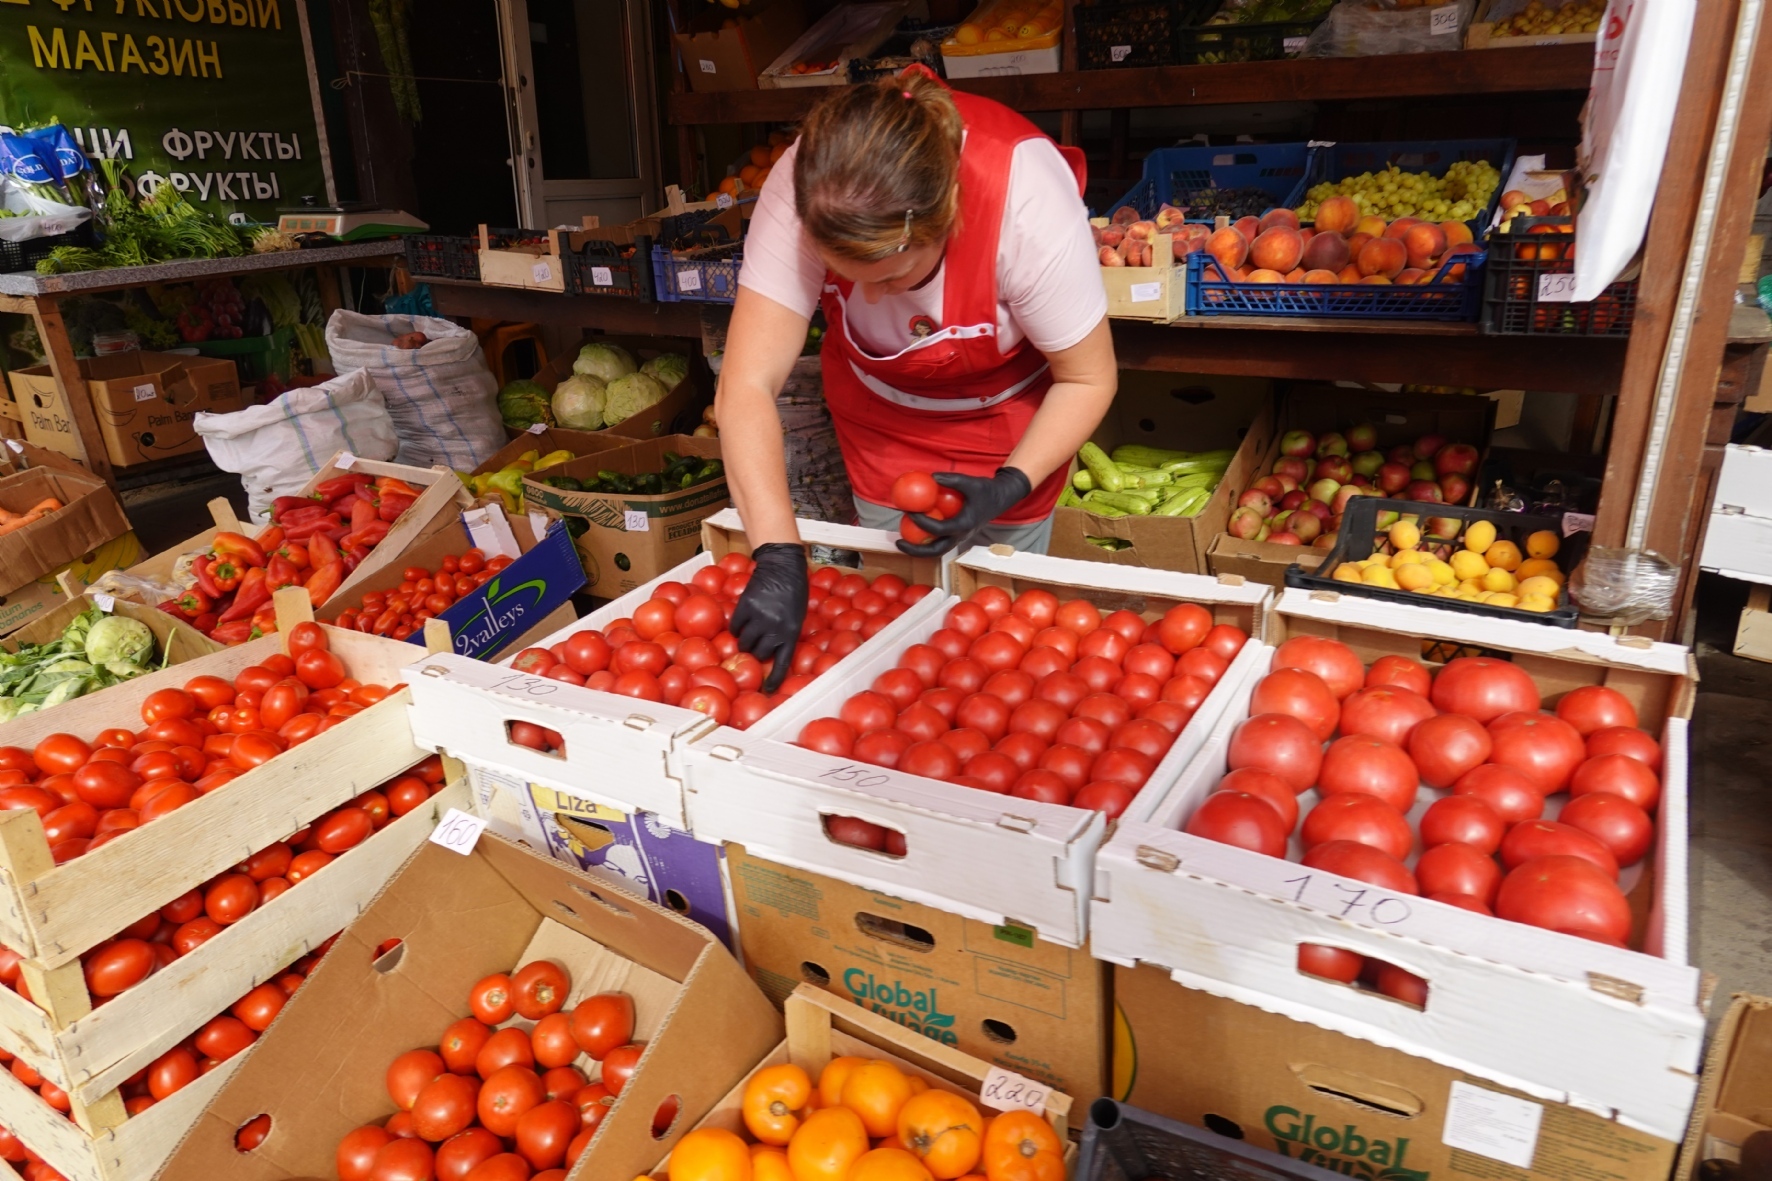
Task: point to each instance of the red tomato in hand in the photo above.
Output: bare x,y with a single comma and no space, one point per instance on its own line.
1355,816
1484,688
1453,868
1301,694
914,492
1281,744
1568,894
1241,819
1596,707
1331,661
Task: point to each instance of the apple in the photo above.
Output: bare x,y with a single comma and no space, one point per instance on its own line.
1360,481
1296,466
1456,459
1324,490
1363,437
1325,541
1317,508
1287,483
1366,463
1244,523
1262,536
1256,499
1423,469
1393,478
1427,445
1300,444
1333,467
1387,518
1285,538
1271,486
1349,492
1402,453
1293,499
1305,527
1423,490
1455,488
1443,528
1333,443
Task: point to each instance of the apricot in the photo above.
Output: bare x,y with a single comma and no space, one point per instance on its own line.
1276,249
1229,247
1382,256
1278,217
1400,227
1322,276
1326,252
1370,224
1264,275
1349,274
1249,227
1338,215
1457,233
1424,243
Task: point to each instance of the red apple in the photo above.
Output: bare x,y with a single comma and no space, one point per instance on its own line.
1427,445
1293,499
1402,453
1256,499
1271,486
1285,538
1318,508
1300,443
1455,488
1244,523
1363,437
1443,528
1295,466
1305,527
1287,483
1423,490
1339,504
1360,481
1333,467
1333,443
1456,459
1393,478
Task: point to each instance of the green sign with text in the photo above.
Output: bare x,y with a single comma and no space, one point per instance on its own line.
209,95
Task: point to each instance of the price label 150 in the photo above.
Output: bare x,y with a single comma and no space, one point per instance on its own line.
458,831
850,775
1004,1090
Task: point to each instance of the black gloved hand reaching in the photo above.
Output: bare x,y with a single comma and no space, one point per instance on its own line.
772,609
987,498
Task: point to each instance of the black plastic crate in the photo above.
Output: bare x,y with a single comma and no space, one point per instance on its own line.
1358,538
1129,33
601,268
1520,259
442,256
1209,45
24,256
1125,1143
895,54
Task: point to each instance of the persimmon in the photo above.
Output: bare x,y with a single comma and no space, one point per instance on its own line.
876,1091
710,1154
1020,1146
827,1143
773,1100
832,1078
888,1164
942,1130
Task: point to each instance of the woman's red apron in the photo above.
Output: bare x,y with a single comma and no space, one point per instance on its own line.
951,401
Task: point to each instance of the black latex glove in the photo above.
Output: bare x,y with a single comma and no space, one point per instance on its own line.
987,498
772,608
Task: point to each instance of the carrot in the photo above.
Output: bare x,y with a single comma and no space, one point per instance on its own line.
17,523
47,505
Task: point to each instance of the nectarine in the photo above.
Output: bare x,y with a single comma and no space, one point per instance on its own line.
1382,256
1229,247
1370,224
1278,216
1457,233
1424,242
1321,276
1276,249
1376,279
1327,252
1400,227
1349,274
1356,241
1412,275
1248,227
1296,274
1512,198
1264,275
1125,215
1338,215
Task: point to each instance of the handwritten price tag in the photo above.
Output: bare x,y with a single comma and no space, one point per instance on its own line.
1004,1090
1119,53
105,603
688,280
1145,292
1443,22
601,277
146,393
536,428
723,201
707,67
635,522
1362,904
1558,288
458,831
1577,523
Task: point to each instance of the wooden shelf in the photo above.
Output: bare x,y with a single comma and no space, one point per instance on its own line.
1529,69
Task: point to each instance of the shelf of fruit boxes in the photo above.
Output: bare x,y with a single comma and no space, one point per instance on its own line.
619,752
1542,1012
99,1142
970,852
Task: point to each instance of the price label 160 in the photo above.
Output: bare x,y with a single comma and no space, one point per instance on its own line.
1004,1090
458,831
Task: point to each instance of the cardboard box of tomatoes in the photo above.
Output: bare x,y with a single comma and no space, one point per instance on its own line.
446,959
621,741
1487,921
931,768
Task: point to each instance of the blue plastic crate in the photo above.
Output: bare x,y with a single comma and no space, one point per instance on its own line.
1210,292
708,275
1277,169
1333,161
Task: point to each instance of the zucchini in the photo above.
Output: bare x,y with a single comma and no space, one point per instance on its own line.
1185,503
1082,481
1105,472
1068,498
1125,502
1140,455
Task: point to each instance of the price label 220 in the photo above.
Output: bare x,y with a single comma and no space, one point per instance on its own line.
1346,900
1004,1090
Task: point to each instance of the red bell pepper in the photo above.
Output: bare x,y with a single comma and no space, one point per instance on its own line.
254,593
322,550
367,536
307,529
205,622
192,603
339,485
170,606
264,621
362,513
225,576
324,581
270,537
281,572
289,504
393,504
234,631
238,545
203,570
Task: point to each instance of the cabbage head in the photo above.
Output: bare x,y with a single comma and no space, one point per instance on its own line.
117,641
629,395
604,361
578,403
523,403
669,368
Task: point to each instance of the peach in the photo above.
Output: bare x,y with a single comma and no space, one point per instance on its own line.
1356,241
1320,277
1229,247
1376,279
1111,257
1539,208
1338,215
1307,233
1242,274
1169,215
1278,217
1457,233
1276,249
1248,227
1113,235
1295,275
1400,227
1349,274
1412,275
1513,197
1125,215
1144,231
1189,238
1382,256
1326,252
1370,224
1264,275
1456,271
1424,243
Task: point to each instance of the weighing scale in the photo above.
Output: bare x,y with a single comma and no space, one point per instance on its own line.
348,221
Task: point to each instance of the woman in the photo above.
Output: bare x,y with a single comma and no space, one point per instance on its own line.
978,347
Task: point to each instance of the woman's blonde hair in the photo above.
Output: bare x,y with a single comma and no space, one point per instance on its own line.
877,168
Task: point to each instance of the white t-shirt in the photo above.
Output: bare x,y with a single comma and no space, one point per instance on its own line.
1048,277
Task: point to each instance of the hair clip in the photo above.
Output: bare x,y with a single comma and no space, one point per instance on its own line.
904,243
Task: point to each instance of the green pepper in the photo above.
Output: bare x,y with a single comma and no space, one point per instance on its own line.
508,486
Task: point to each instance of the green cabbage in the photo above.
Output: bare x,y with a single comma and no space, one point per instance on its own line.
523,403
669,368
578,403
627,396
117,641
605,361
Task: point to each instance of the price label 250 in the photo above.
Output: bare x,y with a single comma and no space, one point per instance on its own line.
1346,900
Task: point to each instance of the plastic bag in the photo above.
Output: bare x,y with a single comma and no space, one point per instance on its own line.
1625,586
30,215
276,448
1369,28
441,396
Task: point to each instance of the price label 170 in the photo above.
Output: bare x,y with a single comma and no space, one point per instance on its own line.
1557,288
1347,900
1004,1090
458,831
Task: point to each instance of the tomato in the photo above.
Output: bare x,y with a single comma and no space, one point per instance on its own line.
1037,716
1399,672
705,699
1464,820
996,651
356,1152
1281,744
1623,740
1619,775
1550,838
307,864
1276,792
209,692
457,1156
1402,985
258,1008
254,748
461,1044
1363,863
748,709
1385,712
965,674
883,748
544,1131
1507,791
509,1046
232,898
408,1074
223,1037
506,1166
538,988
901,686
1331,963
1043,661
1151,660
619,1065
1022,748
1359,763
1060,639
1070,764
867,711
1106,796
1121,765
1144,736
1454,868
75,821
444,1106
1621,826
1087,734
1446,746
969,619
654,617
535,661
641,685
934,760
1224,641
1098,673
256,679
1330,661
1183,627
117,966
1301,694
1596,707
1106,643
319,669
1484,688
1356,816
923,660
922,723
1010,686
982,712
602,1022
858,833
60,754
1241,819
1546,748
1569,894
163,704
1186,691
343,830
490,999
1078,616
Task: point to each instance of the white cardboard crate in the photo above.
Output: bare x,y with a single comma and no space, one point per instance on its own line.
1738,536
970,852
1613,1031
620,752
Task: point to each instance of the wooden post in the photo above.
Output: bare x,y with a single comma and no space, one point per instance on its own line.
59,351
1070,125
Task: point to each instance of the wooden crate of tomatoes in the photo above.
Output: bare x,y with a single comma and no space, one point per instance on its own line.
617,736
985,749
1426,820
